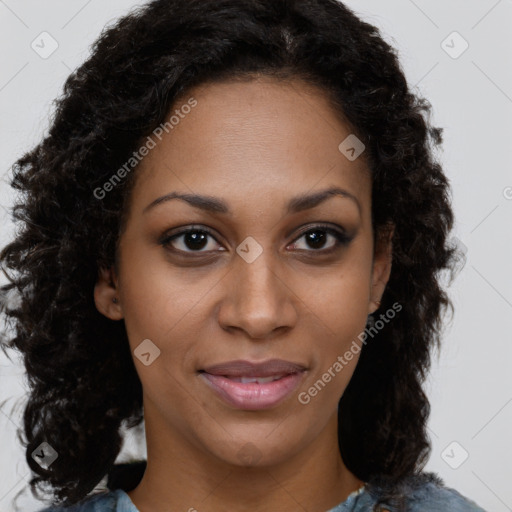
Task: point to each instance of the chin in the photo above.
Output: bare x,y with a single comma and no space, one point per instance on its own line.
252,451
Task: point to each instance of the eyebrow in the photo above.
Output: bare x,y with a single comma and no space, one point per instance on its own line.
216,205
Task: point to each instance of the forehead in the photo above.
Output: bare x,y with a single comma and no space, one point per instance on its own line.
250,140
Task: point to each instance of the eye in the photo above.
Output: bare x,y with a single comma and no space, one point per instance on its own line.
196,240
192,239
317,238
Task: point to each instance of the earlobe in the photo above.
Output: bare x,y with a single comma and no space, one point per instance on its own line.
381,266
106,295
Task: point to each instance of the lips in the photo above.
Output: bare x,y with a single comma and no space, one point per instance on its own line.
259,380
253,386
241,368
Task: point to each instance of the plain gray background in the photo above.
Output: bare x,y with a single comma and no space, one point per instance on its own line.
470,386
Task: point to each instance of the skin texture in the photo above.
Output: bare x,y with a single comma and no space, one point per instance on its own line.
254,145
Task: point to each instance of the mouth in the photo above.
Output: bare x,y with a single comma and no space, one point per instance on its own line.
253,386
259,380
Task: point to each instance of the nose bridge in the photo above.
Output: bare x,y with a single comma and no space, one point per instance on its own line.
259,301
257,280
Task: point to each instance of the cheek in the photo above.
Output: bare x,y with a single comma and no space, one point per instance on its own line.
335,356
340,298
340,307
339,302
158,299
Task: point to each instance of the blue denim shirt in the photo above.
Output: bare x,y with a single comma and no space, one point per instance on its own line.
421,493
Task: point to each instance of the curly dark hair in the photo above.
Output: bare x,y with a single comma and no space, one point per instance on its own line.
83,382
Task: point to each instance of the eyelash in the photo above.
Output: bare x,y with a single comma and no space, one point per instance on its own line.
341,239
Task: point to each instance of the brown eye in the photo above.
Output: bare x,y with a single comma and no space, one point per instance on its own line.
318,237
189,240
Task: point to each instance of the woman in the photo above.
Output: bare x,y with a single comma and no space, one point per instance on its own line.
234,231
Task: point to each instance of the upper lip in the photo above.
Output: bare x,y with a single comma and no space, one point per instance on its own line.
241,368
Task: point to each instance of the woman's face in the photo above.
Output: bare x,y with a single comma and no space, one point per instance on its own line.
265,273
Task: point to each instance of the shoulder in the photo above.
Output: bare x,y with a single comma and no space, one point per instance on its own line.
434,496
113,498
425,492
111,501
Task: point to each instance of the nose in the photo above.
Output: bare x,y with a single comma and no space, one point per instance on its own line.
259,299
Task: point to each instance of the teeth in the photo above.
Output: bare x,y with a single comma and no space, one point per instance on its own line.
259,380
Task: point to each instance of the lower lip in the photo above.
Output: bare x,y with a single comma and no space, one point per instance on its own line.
252,395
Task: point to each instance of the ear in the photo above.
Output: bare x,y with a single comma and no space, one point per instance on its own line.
382,259
105,291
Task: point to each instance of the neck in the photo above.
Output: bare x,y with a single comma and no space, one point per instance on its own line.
181,476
